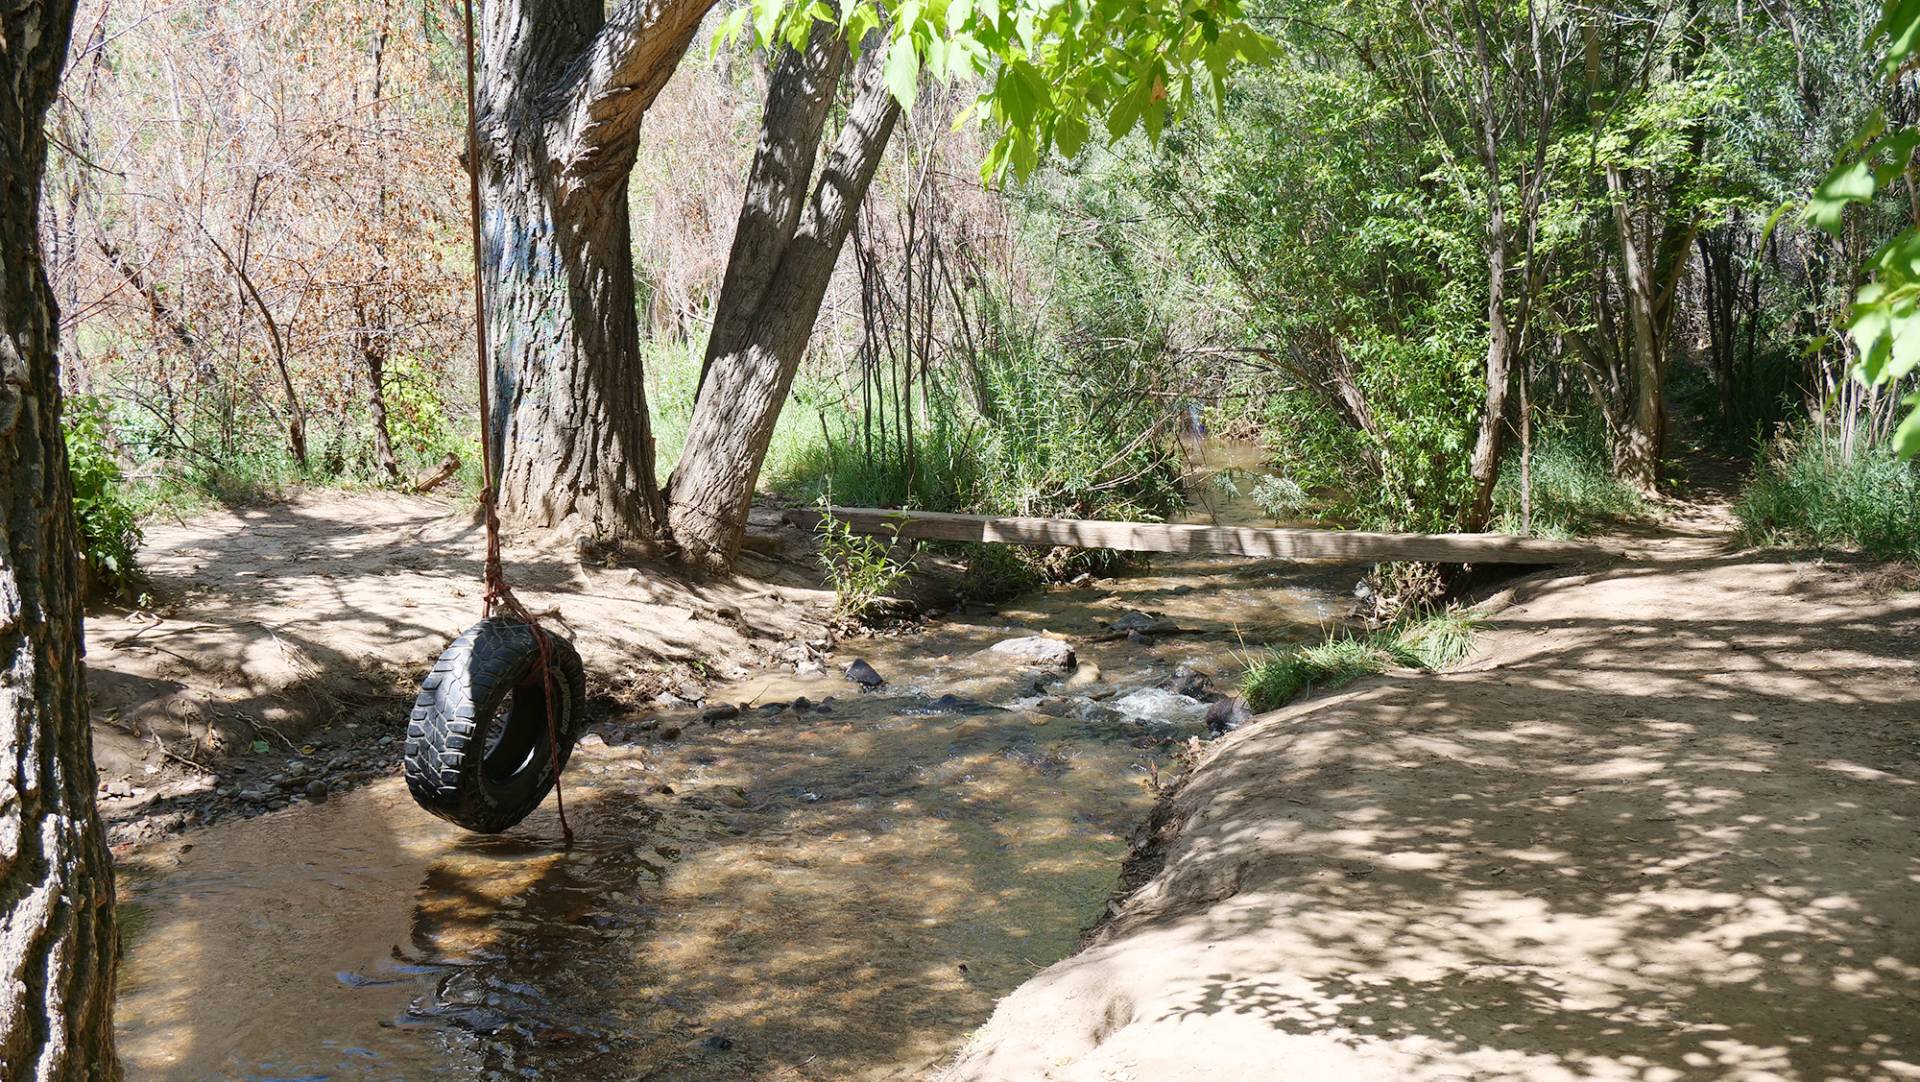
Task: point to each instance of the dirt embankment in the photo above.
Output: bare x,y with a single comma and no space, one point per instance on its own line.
304,625
1663,827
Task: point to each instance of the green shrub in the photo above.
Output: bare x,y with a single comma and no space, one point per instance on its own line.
1810,491
103,508
1574,491
861,568
1434,642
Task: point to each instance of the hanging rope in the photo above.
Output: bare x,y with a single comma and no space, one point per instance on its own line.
498,594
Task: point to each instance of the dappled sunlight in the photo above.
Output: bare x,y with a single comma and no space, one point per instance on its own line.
1577,861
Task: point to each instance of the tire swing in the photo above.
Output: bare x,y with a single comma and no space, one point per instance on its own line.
497,716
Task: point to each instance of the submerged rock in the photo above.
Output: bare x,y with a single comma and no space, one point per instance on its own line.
1036,650
864,674
1134,620
720,712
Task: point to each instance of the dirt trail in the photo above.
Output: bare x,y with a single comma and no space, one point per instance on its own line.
323,611
1663,827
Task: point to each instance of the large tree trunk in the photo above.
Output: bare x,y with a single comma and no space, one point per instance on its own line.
57,939
563,87
779,282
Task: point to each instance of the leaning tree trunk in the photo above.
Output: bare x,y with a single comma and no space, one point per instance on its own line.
780,281
57,939
563,87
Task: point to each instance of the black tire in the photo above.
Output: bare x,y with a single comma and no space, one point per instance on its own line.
477,753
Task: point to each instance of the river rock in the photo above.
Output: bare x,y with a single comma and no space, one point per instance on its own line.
1133,620
317,791
1190,682
1227,715
1086,675
1037,650
864,674
719,712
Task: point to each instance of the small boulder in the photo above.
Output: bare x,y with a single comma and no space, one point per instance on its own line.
1036,650
317,791
1133,620
1190,682
864,674
719,712
1227,715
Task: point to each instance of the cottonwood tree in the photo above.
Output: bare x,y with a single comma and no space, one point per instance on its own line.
564,87
57,938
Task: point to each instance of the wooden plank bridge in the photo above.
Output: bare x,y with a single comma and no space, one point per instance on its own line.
1271,543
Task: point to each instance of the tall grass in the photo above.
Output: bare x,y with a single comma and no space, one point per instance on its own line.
1810,491
1574,491
1433,641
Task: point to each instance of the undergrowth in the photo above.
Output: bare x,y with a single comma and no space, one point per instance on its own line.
1574,490
860,568
104,512
1810,491
1434,642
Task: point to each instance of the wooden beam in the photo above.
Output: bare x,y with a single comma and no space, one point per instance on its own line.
1286,544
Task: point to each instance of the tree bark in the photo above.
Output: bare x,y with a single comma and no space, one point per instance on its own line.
563,87
747,382
57,935
1637,457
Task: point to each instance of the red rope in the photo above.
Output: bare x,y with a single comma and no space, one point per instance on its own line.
498,593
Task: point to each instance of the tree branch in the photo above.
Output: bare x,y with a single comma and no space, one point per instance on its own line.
596,124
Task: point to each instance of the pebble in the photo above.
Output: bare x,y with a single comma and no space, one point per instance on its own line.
719,712
670,732
317,791
253,796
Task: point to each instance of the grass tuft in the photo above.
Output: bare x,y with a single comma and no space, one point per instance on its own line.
1434,642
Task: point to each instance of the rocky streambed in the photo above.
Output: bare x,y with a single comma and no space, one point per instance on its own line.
804,875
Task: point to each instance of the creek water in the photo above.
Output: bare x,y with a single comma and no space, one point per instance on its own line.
834,892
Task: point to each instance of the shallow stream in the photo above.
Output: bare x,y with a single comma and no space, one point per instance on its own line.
829,892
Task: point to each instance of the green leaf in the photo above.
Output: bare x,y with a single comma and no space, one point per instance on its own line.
261,747
1906,438
1126,112
766,16
727,32
1850,182
902,72
1901,25
1070,134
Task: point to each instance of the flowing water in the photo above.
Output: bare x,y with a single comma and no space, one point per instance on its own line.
831,892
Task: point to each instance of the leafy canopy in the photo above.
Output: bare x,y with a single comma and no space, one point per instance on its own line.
1053,71
1886,312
